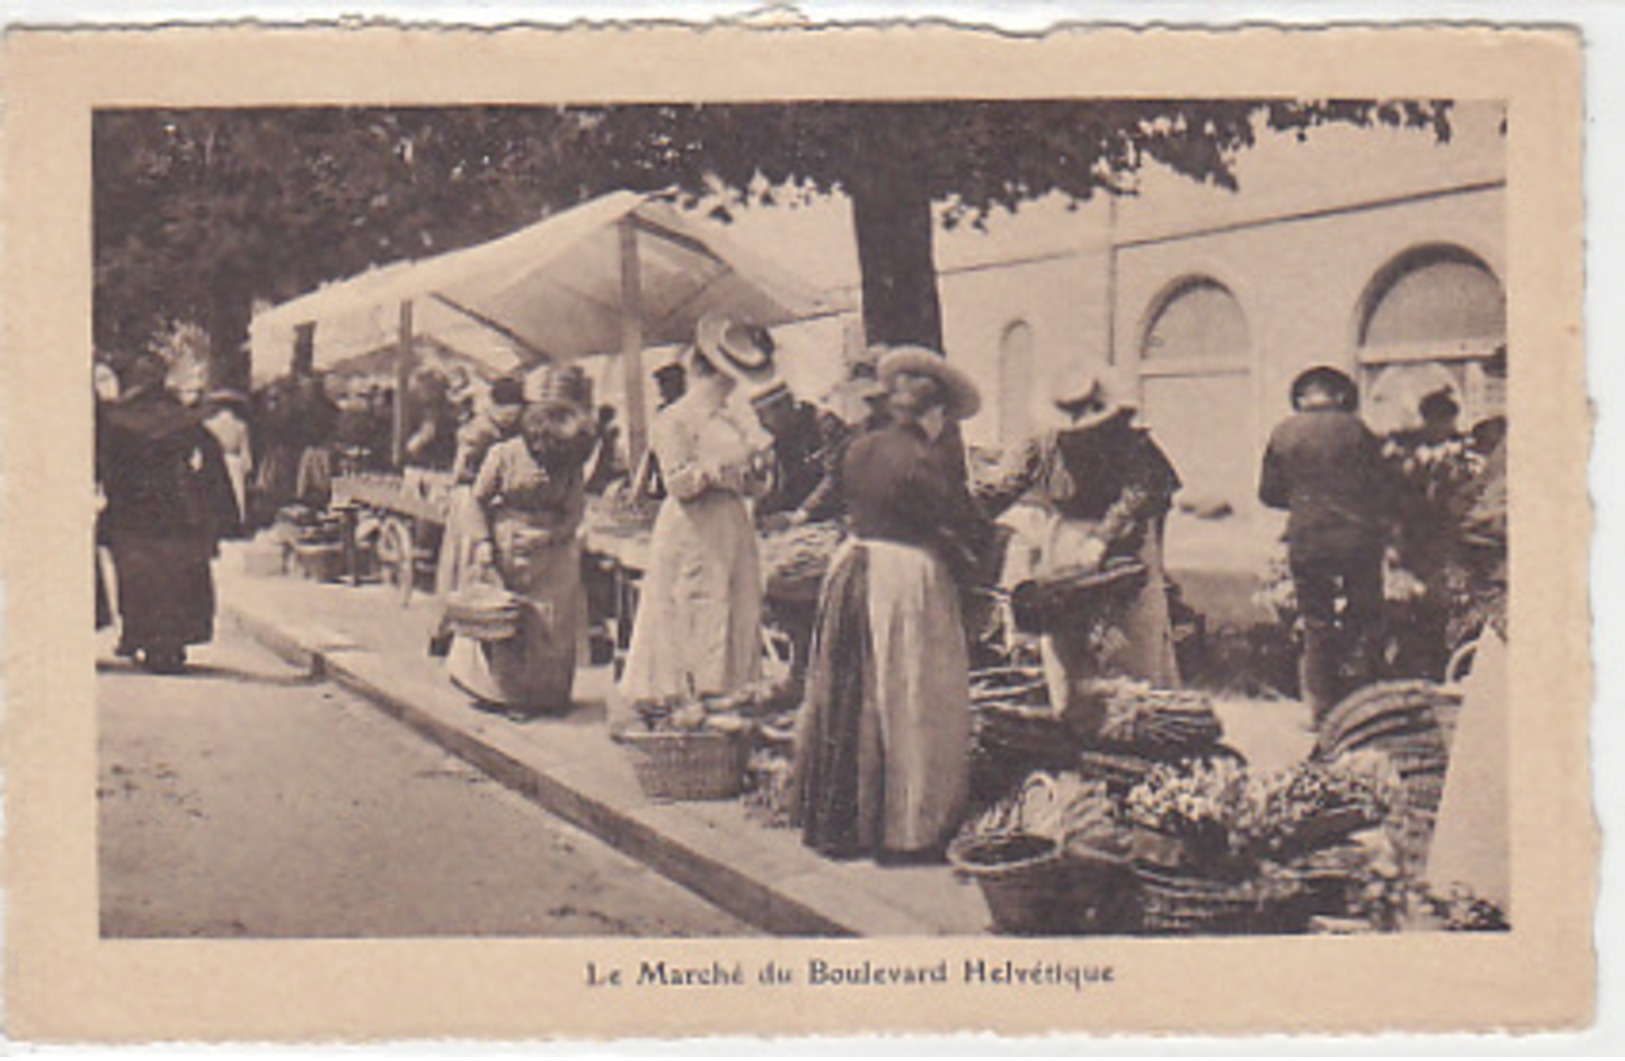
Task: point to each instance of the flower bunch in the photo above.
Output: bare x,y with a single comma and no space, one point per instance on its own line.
1279,807
1192,800
1438,469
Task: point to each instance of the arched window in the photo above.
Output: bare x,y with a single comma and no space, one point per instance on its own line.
1431,318
1017,364
1196,387
1439,297
1199,320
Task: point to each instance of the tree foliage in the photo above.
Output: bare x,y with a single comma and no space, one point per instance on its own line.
199,212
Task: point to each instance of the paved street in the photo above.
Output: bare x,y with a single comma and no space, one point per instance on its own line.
244,799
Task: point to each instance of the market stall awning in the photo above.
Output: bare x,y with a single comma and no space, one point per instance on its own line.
553,290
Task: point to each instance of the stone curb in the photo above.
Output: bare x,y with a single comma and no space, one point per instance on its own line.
795,896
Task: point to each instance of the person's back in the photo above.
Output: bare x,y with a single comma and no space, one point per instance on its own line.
146,450
1325,467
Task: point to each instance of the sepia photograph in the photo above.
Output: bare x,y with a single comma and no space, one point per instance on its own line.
809,548
1037,517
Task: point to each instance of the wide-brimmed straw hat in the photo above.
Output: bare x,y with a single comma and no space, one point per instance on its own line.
737,349
962,398
1091,393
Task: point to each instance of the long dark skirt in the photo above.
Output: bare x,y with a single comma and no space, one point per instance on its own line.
165,590
834,763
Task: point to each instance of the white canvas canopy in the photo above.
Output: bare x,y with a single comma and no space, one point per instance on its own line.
616,274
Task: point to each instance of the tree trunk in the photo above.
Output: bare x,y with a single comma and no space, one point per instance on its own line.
228,338
891,211
304,349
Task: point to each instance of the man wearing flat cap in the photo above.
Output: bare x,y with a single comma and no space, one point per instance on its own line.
1325,468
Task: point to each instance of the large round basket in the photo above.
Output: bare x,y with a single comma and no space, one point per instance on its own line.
1067,598
1024,879
1178,903
484,613
681,765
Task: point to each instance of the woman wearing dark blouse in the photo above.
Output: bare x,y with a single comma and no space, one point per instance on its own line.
1107,488
883,736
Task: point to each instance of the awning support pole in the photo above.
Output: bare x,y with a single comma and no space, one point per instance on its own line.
637,433
403,379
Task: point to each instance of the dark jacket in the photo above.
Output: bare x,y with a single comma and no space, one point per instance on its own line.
162,472
1112,474
1325,467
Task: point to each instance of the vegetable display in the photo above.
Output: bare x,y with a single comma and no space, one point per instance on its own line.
1134,715
1076,813
1219,808
798,557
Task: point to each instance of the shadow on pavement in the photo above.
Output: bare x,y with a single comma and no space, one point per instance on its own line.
209,671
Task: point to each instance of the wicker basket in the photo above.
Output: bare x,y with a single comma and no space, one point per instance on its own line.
1176,903
1024,880
483,613
681,765
1067,598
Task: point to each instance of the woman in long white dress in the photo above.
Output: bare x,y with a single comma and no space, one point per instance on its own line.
699,622
227,426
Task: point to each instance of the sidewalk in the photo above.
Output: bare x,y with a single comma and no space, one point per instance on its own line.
363,639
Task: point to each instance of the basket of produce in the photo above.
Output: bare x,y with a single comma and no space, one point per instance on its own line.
1023,879
1389,715
1127,715
698,765
1120,771
1013,714
686,752
1049,859
484,612
1332,879
1074,596
1313,806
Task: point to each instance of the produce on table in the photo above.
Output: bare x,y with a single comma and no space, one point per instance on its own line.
623,510
796,559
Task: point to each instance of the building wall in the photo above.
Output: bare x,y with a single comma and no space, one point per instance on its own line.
1007,326
1302,284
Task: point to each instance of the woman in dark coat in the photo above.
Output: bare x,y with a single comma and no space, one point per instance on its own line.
169,501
